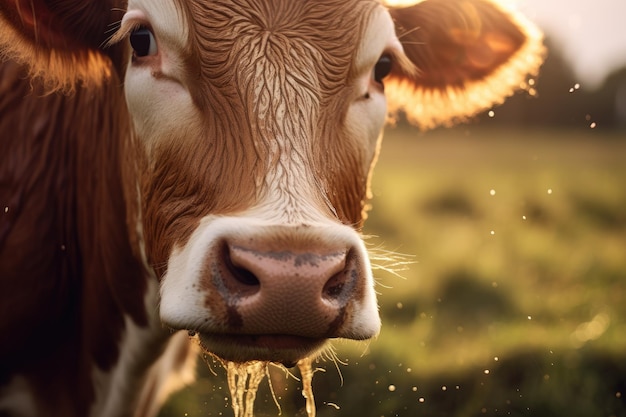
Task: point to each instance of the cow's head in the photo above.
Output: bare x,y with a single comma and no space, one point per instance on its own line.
258,123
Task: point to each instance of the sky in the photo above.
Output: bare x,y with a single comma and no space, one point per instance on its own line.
592,33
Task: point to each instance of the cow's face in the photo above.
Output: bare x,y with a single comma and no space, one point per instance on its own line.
261,122
258,122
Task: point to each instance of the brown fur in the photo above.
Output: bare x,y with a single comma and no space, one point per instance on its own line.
67,270
70,264
284,49
59,40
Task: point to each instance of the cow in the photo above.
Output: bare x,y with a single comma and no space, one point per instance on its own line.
179,175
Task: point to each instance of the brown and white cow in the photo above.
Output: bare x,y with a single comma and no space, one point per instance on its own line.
203,165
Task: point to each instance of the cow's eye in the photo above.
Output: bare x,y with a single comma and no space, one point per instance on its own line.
143,42
382,68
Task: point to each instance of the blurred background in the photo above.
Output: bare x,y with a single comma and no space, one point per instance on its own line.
513,228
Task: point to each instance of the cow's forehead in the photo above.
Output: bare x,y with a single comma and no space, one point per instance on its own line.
307,19
278,91
335,28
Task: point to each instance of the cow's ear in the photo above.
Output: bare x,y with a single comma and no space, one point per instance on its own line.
59,40
470,55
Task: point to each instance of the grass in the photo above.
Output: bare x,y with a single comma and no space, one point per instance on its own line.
515,303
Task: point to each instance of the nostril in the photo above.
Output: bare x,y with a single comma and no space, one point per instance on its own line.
239,273
341,285
334,287
244,276
326,282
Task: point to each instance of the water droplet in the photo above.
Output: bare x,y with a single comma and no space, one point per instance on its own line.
496,358
399,306
414,389
549,190
6,209
530,317
492,192
491,113
493,232
444,388
523,217
618,395
409,370
421,399
593,125
392,388
486,371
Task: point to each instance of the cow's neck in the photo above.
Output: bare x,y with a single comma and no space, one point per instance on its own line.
130,377
81,323
151,362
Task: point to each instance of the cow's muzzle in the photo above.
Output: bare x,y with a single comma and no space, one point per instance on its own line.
277,293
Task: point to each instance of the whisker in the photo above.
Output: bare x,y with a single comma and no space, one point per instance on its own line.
390,261
413,43
331,355
408,32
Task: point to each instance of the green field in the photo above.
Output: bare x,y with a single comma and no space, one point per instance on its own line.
514,299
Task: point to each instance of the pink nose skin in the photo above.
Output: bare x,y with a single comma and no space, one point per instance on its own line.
287,292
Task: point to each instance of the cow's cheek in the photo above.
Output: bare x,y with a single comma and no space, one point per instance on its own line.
161,108
167,123
364,124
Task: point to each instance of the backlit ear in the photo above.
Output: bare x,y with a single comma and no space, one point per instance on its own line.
471,55
59,40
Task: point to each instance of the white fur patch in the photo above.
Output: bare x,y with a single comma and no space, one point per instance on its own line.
145,372
158,98
16,399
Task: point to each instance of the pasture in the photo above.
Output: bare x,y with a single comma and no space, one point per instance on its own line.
514,301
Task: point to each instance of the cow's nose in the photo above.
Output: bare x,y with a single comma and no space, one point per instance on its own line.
288,292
